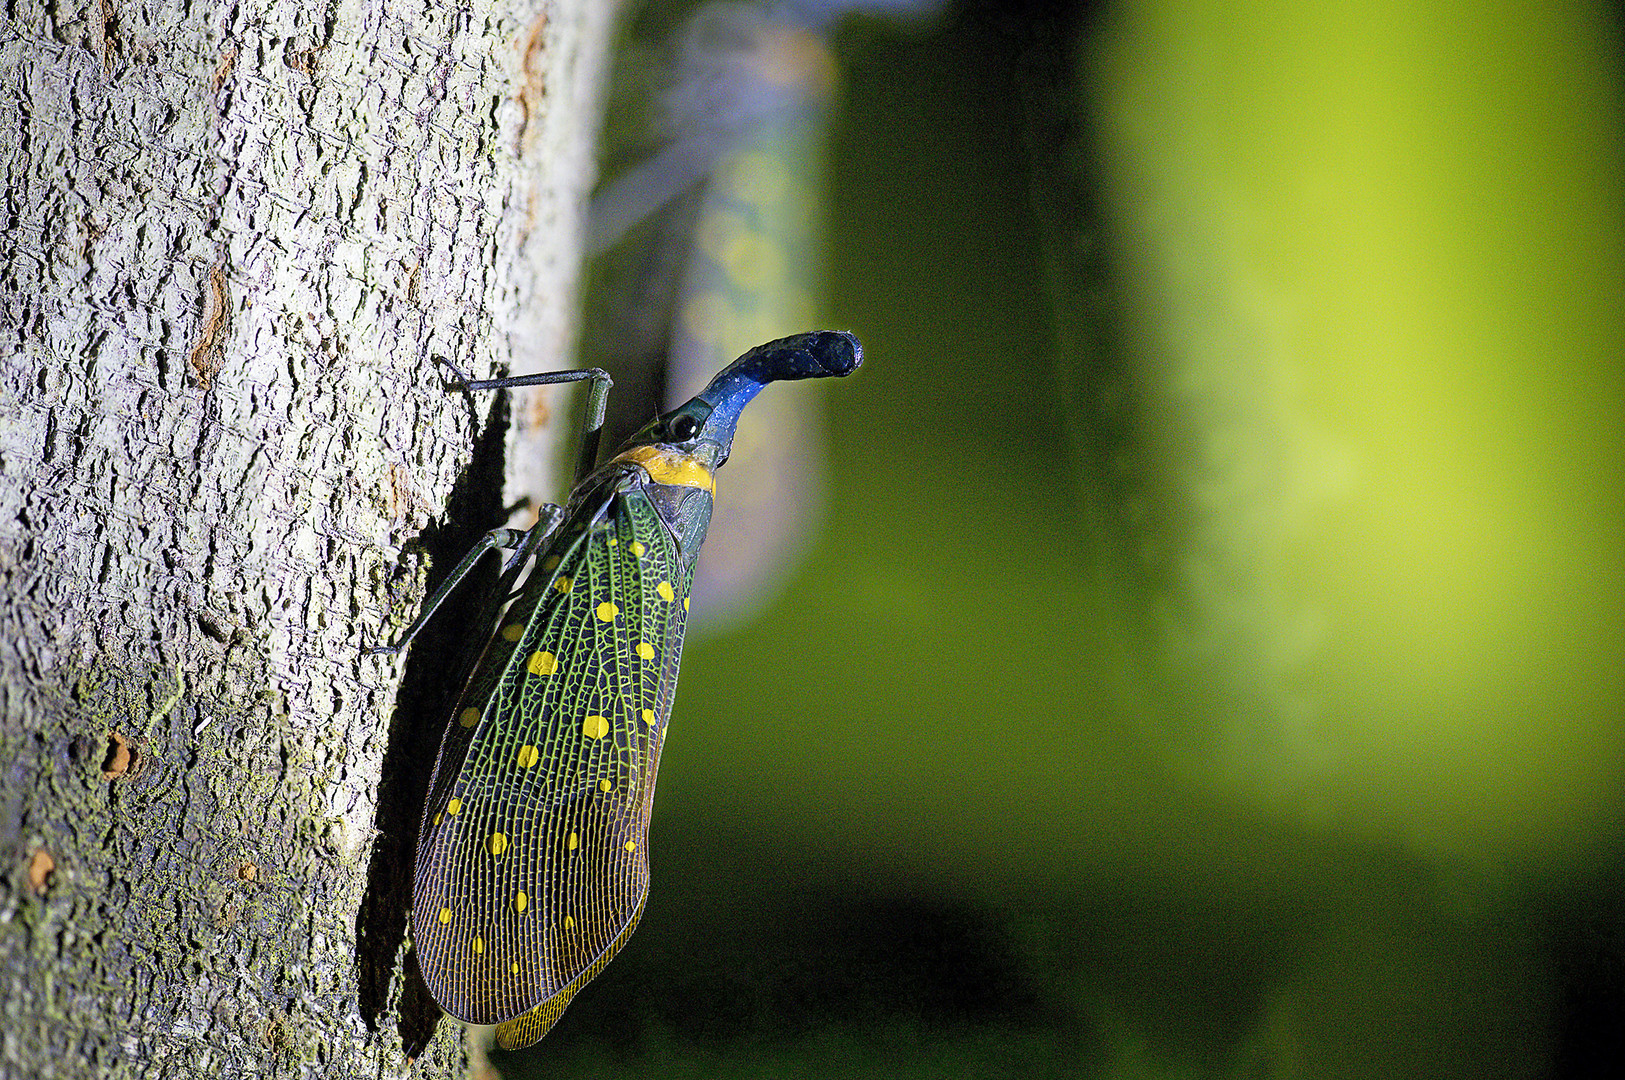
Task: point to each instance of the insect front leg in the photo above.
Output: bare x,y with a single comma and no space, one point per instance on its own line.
523,543
597,402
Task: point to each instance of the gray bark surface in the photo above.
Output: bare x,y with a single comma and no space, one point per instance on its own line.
235,238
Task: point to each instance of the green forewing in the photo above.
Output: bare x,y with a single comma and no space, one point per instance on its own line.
533,865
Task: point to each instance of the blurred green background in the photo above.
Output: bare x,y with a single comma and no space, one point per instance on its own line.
1210,659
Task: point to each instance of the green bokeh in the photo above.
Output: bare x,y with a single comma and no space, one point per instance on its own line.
1377,259
1296,753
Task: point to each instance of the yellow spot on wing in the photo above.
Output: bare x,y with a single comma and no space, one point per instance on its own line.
520,902
636,547
604,785
631,845
575,841
664,590
513,631
595,727
445,915
528,756
541,663
685,603
607,612
498,843
513,969
479,944
562,584
569,923
454,806
468,717
646,650
648,716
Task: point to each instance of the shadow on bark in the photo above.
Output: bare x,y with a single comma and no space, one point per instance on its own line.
436,666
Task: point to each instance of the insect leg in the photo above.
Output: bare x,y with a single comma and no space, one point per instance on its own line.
496,538
597,401
547,519
523,544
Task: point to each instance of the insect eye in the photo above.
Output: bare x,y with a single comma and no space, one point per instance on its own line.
682,428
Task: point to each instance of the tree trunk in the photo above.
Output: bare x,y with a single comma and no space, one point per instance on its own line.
237,238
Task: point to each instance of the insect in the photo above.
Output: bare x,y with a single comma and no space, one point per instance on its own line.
714,234
532,864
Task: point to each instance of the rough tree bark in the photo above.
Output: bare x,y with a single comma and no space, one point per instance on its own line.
236,237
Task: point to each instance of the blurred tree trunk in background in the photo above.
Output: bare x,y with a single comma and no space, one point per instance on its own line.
237,236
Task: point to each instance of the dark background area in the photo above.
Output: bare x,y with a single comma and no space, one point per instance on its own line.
953,805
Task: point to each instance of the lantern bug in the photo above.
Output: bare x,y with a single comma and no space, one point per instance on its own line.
532,864
711,233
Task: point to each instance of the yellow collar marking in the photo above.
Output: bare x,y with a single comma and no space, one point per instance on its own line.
671,467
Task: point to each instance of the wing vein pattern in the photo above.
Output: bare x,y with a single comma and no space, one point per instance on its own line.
533,864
